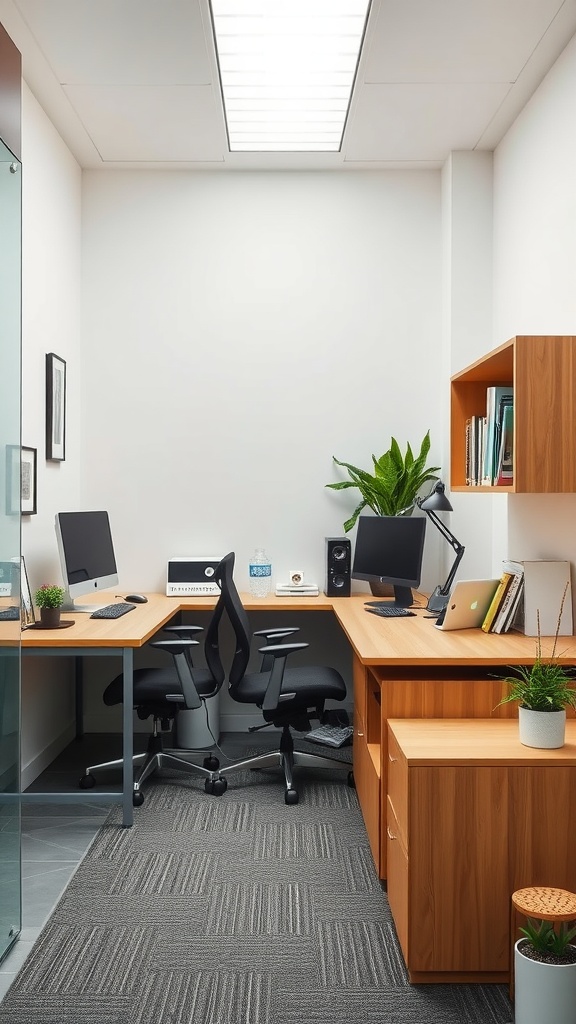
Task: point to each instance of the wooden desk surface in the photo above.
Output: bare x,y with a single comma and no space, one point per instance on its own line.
477,741
416,641
405,641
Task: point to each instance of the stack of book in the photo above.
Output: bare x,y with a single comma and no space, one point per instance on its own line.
504,605
489,440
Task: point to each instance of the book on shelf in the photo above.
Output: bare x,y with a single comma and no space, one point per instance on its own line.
474,447
496,602
505,465
497,398
507,611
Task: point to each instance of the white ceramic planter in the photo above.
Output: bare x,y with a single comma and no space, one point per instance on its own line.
545,729
543,993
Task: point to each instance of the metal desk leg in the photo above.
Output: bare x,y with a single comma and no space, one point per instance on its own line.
79,695
128,738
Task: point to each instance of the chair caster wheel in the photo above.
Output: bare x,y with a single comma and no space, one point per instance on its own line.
137,798
215,786
87,781
211,763
351,782
291,796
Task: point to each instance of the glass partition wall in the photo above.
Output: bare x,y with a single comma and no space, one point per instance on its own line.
10,431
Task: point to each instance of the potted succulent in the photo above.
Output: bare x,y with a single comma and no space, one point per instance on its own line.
543,691
391,489
545,973
49,598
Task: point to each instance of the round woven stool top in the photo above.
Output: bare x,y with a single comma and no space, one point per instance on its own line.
545,903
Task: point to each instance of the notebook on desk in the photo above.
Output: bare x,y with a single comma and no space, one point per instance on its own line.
468,604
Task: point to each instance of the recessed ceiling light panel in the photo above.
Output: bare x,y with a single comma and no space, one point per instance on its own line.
287,69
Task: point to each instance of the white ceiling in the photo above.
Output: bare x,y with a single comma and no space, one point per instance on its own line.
134,83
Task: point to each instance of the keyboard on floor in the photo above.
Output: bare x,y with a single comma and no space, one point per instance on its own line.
113,611
331,735
388,611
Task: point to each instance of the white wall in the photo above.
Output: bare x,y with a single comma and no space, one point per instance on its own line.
534,261
51,188
238,331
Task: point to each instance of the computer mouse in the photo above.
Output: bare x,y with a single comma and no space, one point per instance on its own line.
136,598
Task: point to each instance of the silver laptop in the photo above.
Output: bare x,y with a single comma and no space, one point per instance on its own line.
468,604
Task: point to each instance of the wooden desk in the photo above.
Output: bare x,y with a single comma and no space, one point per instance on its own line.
472,816
406,668
403,668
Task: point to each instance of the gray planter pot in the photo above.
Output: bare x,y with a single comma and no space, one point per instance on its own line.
543,992
544,729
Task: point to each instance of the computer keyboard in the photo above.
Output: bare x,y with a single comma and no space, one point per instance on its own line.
13,612
331,735
113,611
389,611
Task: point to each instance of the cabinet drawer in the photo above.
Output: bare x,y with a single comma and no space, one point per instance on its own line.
397,882
367,783
398,786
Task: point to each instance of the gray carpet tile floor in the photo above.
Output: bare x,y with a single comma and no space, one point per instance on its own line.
230,910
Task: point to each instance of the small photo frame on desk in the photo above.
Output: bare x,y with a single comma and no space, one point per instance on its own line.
27,614
55,408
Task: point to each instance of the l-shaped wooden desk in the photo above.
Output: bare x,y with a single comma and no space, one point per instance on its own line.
403,668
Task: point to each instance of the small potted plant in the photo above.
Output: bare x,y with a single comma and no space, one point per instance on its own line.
49,598
545,973
543,691
391,489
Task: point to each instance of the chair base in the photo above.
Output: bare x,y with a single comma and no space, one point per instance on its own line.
155,758
286,758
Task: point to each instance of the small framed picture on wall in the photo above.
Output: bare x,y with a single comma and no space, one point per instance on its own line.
55,408
28,476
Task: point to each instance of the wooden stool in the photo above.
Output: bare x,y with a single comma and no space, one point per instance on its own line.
544,904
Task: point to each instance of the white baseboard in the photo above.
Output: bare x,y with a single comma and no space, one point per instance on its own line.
36,766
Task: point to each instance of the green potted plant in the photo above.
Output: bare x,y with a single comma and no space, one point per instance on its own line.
545,973
391,489
543,691
49,598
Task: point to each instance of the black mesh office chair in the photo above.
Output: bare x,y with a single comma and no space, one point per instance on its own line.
288,697
160,693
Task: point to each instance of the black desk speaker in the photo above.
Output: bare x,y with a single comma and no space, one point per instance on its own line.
338,567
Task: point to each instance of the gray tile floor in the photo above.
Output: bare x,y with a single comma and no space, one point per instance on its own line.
57,830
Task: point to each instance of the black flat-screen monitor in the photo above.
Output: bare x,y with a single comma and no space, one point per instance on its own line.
86,555
389,549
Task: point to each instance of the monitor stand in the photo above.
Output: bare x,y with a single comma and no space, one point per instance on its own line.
403,598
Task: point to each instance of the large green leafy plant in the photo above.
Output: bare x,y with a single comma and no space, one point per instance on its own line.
392,488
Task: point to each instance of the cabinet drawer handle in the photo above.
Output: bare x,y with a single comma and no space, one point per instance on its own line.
392,759
390,834
358,733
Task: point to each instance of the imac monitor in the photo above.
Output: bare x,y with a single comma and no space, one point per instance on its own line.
389,549
86,555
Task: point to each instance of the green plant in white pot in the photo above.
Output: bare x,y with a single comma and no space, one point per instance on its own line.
543,691
393,486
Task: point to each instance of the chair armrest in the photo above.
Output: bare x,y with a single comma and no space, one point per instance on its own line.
186,632
179,651
271,634
279,652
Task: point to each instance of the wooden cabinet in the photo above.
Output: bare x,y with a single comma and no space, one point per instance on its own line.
472,815
542,370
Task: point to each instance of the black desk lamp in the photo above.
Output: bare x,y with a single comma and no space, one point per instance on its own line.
434,503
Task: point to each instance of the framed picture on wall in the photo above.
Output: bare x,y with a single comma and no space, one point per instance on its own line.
55,408
28,476
21,477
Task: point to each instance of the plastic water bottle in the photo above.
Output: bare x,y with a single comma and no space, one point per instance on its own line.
260,571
